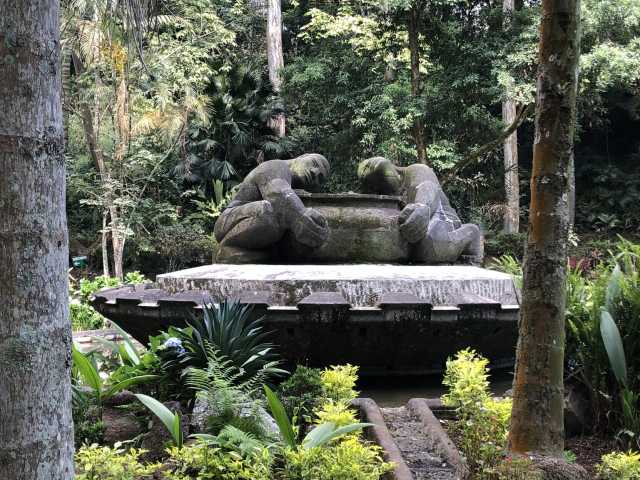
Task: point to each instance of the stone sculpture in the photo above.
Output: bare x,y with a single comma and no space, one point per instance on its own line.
427,220
411,221
266,206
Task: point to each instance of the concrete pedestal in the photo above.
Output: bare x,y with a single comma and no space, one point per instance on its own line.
360,285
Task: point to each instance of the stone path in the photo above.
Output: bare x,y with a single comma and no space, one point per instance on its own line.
419,454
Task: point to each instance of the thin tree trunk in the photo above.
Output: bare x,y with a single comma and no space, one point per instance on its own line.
105,252
572,193
511,180
537,416
36,429
65,75
93,143
417,132
275,57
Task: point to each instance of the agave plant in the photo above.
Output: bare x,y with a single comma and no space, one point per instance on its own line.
226,329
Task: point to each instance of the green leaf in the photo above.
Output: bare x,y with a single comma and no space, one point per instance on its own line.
171,420
129,346
88,372
128,382
328,433
613,345
281,418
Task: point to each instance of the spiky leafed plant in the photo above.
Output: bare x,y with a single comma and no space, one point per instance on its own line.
236,135
228,330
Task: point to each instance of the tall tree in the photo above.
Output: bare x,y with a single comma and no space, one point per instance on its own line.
537,416
511,182
413,29
36,430
275,57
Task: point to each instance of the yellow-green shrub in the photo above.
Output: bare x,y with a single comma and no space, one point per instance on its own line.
339,381
483,423
338,413
466,378
202,462
346,460
619,466
105,463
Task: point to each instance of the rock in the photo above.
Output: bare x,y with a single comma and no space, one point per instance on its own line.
577,411
158,435
203,409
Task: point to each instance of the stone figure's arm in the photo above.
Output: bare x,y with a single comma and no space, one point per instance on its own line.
308,226
422,196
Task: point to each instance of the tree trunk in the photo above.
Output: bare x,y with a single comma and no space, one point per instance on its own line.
511,180
537,416
118,253
417,132
36,429
274,57
572,193
93,143
65,75
105,252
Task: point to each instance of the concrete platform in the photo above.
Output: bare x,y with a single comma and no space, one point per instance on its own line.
361,285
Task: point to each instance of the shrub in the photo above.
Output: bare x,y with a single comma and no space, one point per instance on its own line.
217,463
619,466
505,243
483,422
299,393
105,463
304,380
612,294
346,460
338,413
84,317
339,382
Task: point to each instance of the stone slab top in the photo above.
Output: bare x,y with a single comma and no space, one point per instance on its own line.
336,273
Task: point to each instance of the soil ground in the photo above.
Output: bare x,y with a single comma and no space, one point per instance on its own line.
588,449
420,455
121,425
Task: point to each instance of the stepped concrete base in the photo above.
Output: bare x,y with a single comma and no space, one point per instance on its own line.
360,285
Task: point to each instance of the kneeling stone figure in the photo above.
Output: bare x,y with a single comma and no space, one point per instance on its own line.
427,222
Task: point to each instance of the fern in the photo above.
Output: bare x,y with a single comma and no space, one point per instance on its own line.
235,404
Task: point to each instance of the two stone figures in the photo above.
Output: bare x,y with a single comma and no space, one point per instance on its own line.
409,220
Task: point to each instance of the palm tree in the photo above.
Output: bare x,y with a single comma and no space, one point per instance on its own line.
236,136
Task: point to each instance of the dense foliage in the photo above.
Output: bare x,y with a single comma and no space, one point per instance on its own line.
152,127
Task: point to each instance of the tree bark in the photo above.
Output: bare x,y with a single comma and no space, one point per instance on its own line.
537,417
36,429
417,132
275,57
572,193
65,75
105,252
511,180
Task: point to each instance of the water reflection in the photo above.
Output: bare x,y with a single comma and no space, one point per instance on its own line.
397,391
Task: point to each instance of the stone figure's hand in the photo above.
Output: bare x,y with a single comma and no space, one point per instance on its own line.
311,228
414,221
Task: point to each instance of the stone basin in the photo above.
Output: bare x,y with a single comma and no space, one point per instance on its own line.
362,228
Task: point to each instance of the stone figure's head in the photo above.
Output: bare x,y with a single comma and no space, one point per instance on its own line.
380,175
308,171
